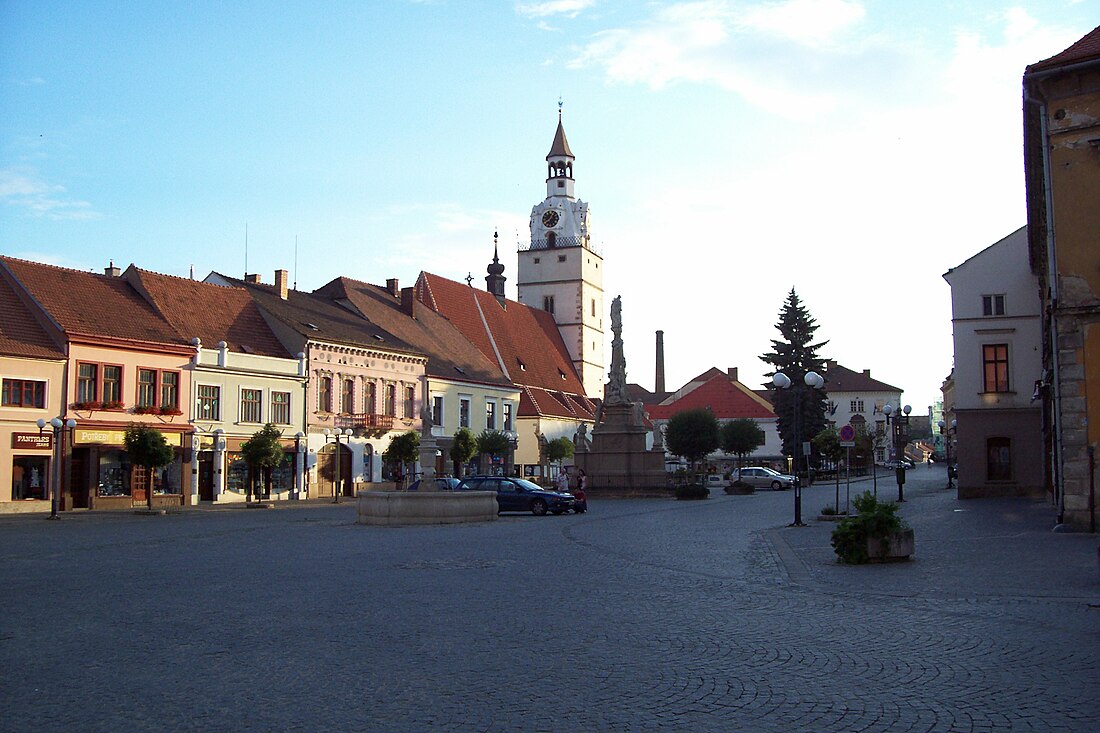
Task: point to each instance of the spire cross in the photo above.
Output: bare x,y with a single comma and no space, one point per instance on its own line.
469,279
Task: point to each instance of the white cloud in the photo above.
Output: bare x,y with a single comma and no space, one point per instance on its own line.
810,22
24,190
566,8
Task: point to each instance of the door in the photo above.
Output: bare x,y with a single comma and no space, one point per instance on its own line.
206,476
329,471
78,478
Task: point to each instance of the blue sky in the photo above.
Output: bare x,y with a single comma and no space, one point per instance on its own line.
729,151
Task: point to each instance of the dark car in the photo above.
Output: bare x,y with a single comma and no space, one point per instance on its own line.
519,495
436,484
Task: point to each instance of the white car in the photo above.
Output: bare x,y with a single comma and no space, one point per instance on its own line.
760,478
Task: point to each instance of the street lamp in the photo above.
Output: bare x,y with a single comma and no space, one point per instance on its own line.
813,380
337,435
58,426
900,438
946,433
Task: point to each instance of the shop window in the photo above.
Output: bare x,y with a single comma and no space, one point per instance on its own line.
114,473
24,393
236,473
28,477
251,405
166,479
280,408
999,464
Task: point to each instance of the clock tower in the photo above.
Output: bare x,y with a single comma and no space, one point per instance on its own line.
560,271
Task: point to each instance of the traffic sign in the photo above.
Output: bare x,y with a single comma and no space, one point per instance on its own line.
847,436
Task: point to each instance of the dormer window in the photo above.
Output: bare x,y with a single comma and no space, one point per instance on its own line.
522,366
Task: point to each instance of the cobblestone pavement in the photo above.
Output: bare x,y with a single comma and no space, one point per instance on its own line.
642,615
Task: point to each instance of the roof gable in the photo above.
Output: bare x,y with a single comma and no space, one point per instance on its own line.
20,332
842,379
726,398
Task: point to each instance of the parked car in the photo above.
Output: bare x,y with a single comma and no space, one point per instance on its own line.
715,481
760,478
438,484
519,495
894,465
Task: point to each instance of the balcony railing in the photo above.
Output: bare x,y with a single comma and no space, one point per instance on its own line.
559,243
364,421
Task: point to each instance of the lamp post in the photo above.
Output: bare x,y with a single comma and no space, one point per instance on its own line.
812,380
337,435
900,437
945,431
58,426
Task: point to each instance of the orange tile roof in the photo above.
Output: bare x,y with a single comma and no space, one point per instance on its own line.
20,333
213,313
726,398
87,304
1085,49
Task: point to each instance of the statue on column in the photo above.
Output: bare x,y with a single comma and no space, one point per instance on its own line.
615,389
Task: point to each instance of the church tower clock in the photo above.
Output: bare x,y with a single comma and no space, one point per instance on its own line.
560,271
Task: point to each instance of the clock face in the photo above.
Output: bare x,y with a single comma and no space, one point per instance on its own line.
550,218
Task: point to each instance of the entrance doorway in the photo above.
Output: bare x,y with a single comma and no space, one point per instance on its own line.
206,476
327,471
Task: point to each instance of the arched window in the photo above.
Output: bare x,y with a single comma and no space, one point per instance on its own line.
999,459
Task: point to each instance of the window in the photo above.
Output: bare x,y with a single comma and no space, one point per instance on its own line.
372,398
437,410
29,477
324,394
169,389
87,382
410,402
537,260
856,406
993,305
112,383
391,400
24,393
280,408
548,303
490,416
251,403
995,364
464,412
147,388
209,402
561,258
508,416
347,397
593,306
999,464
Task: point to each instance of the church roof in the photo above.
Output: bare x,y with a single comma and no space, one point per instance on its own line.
560,148
1086,49
523,341
727,398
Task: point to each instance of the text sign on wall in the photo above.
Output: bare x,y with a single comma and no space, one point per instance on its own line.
37,441
116,437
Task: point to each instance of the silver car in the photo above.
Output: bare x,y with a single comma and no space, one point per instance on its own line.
760,478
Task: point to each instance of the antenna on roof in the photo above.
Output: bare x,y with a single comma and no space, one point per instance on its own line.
295,261
192,272
246,249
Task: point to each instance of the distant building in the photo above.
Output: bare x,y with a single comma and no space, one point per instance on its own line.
1062,171
996,324
857,399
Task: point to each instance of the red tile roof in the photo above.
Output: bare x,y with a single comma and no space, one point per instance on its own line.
523,340
211,312
87,304
1086,49
20,333
726,398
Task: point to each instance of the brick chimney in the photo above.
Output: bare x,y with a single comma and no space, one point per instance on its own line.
281,283
408,302
392,286
659,386
111,271
253,279
732,372
867,373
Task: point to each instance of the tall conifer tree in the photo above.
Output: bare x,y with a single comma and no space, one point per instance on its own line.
795,355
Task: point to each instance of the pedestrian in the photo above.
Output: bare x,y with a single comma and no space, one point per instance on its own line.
580,497
563,481
582,480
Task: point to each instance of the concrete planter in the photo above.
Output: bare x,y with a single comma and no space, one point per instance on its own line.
396,508
898,547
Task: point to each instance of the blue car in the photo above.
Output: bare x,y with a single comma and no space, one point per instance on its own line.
519,495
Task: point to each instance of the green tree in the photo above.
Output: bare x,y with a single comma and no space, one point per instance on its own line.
262,453
148,448
827,444
559,449
405,449
463,448
740,437
795,355
692,434
493,443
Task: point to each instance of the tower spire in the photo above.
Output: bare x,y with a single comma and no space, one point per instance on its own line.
494,281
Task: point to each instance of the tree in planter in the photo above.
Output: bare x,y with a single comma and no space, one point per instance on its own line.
795,355
493,443
148,448
827,444
559,449
405,449
463,448
741,437
262,453
692,434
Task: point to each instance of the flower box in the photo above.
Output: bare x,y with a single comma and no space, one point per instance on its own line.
171,411
89,405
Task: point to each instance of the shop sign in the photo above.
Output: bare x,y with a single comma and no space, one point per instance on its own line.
116,437
34,441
